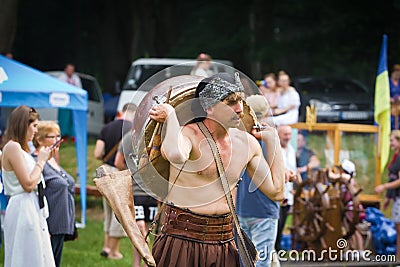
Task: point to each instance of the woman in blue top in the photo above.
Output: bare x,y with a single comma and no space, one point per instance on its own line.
59,190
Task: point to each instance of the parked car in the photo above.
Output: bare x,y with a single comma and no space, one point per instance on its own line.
144,68
95,102
336,99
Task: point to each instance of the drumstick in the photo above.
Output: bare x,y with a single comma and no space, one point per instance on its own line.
157,129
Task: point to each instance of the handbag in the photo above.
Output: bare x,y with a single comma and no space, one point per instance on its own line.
73,236
247,251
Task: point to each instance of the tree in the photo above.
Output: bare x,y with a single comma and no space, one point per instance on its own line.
8,24
259,36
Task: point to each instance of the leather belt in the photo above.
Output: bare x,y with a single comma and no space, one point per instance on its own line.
197,227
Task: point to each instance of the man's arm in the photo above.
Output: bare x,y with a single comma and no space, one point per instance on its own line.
385,186
176,146
269,176
99,149
312,164
119,161
78,81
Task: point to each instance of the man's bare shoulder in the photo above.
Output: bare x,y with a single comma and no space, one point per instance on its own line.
242,135
190,128
244,140
192,132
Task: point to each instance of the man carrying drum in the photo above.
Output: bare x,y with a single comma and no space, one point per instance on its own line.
197,229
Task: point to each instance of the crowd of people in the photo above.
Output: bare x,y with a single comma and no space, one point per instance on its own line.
55,210
37,196
41,211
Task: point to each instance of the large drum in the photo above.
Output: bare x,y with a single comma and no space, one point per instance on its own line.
154,170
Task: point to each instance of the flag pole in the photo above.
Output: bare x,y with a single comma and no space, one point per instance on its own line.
382,106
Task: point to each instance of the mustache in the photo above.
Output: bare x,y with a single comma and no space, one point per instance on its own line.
238,116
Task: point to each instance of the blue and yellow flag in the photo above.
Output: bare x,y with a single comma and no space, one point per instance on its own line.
382,105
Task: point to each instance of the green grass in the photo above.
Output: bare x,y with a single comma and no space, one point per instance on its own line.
68,159
85,251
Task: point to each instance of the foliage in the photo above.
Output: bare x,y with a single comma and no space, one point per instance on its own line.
335,37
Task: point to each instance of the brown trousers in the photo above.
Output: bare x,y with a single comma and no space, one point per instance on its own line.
195,240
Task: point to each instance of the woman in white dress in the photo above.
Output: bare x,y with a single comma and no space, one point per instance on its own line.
26,237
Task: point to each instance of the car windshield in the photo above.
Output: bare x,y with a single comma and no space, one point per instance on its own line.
329,86
140,73
91,87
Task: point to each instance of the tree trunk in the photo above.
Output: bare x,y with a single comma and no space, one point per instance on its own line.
8,24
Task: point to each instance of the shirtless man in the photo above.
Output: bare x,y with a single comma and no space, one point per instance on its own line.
197,228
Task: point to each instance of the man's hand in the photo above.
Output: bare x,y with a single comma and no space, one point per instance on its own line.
160,112
302,169
386,203
265,133
292,176
380,188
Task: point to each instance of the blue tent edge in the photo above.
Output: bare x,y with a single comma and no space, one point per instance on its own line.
80,123
39,98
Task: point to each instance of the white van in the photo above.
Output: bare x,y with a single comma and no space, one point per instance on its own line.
144,68
95,113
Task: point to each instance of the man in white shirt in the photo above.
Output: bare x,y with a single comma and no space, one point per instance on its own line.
288,103
69,76
289,159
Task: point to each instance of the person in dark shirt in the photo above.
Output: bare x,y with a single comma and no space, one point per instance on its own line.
258,214
105,150
146,205
305,157
393,185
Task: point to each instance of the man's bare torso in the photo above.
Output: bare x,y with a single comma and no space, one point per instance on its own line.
198,186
